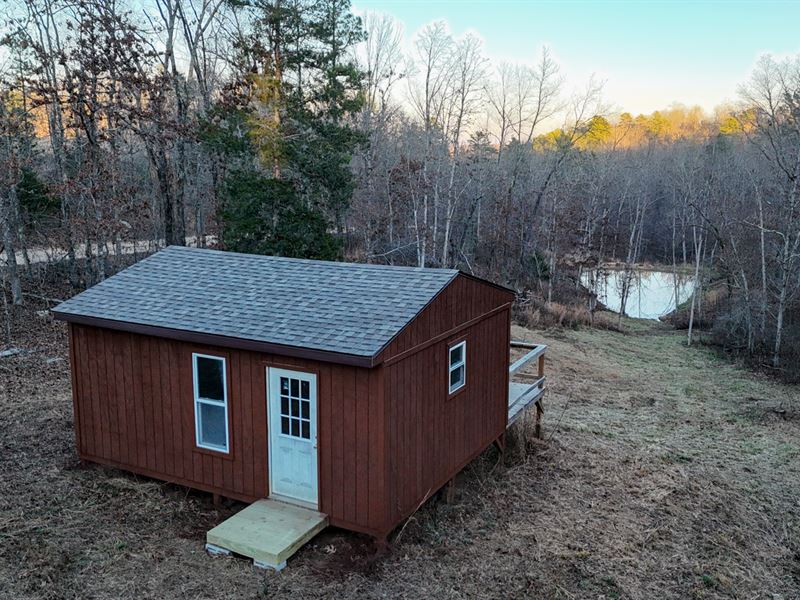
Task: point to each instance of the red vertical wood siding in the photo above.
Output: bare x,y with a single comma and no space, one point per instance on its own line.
134,409
432,435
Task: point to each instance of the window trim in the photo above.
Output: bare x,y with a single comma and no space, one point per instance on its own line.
452,367
211,402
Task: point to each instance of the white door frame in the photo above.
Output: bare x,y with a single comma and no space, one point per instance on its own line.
273,375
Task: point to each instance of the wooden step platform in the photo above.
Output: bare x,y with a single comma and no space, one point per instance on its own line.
268,531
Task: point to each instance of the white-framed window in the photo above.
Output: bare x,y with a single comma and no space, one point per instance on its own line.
457,372
210,402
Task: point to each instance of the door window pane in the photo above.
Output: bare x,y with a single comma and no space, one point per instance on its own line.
296,407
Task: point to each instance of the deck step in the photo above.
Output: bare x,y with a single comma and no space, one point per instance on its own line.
268,531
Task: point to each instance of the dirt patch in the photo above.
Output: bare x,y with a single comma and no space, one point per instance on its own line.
655,478
336,555
764,411
642,400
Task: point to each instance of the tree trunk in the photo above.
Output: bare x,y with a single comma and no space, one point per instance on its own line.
763,267
8,220
697,289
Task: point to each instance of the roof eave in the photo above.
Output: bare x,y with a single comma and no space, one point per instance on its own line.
198,337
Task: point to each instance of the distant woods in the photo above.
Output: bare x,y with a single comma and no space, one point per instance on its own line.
294,127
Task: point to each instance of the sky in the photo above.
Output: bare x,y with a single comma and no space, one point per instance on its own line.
650,54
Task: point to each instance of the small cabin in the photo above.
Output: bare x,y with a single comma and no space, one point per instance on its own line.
353,390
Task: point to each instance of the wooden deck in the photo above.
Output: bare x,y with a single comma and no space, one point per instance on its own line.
522,395
268,531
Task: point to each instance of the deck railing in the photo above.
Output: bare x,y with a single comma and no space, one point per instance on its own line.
522,395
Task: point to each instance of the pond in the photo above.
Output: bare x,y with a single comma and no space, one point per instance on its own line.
651,294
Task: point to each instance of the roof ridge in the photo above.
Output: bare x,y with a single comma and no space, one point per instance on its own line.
349,264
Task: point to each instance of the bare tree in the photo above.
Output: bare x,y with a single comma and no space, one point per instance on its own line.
772,123
469,68
430,91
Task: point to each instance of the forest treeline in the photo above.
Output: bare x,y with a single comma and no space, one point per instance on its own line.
295,127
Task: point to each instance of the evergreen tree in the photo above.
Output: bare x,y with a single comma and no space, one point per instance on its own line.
294,102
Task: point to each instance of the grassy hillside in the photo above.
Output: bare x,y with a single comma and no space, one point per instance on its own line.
664,472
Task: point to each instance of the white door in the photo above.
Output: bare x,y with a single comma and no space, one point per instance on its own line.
292,414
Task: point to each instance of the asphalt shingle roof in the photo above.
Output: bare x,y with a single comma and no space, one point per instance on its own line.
347,308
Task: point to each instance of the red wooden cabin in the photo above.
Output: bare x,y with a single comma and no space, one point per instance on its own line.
357,390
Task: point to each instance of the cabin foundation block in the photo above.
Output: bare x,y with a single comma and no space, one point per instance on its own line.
217,551
258,564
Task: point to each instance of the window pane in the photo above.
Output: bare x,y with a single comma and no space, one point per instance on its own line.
285,425
284,405
306,432
209,378
304,393
296,427
284,385
456,354
457,376
304,405
295,388
295,408
212,425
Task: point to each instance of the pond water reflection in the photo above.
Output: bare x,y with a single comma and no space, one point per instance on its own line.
651,294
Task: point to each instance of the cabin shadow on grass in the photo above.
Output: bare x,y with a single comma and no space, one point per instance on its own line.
680,496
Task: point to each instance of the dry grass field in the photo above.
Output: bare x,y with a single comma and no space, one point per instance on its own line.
664,472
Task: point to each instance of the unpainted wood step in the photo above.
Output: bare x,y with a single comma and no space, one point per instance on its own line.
268,531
